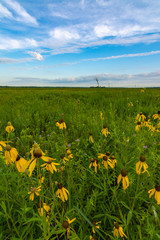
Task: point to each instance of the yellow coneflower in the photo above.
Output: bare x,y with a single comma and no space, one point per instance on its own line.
57,123
69,154
64,158
140,117
101,116
156,116
49,165
124,177
105,131
41,207
40,179
141,164
155,190
21,164
62,124
33,191
62,192
34,147
9,127
114,161
138,126
96,226
91,238
3,145
118,230
95,164
90,137
130,104
106,161
37,153
66,225
10,154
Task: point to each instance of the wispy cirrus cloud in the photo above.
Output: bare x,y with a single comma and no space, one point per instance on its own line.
7,43
4,12
18,12
36,55
14,60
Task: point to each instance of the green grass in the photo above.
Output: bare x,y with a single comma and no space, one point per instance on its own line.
93,196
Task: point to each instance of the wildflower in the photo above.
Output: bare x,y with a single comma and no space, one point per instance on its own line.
156,116
36,154
49,165
114,161
57,123
101,116
130,104
10,154
3,145
118,230
138,126
90,137
66,225
41,207
91,238
77,140
106,161
94,163
105,131
33,191
62,124
96,226
9,127
124,177
140,117
62,192
141,164
40,179
155,190
144,146
34,147
69,154
64,158
21,164
142,90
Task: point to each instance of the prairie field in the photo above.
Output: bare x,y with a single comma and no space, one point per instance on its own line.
79,163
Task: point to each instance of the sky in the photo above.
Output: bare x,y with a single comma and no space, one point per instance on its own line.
72,42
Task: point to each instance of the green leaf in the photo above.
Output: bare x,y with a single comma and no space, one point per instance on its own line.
89,222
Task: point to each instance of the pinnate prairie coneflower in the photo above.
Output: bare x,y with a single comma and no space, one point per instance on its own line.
101,116
90,137
49,165
62,124
95,225
62,192
118,230
33,191
3,145
40,179
95,164
41,207
69,154
64,158
156,116
123,176
138,126
105,131
140,117
141,164
21,163
155,190
9,127
66,225
10,154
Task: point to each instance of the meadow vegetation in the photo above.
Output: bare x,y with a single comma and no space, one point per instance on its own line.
79,164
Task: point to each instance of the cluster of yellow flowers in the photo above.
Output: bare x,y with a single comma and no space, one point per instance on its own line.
13,157
143,121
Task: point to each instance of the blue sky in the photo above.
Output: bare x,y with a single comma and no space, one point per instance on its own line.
73,42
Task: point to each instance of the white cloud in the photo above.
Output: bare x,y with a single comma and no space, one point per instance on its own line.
10,43
21,12
36,55
4,12
63,34
13,60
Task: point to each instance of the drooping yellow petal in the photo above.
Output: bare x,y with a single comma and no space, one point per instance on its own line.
119,178
151,192
32,166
